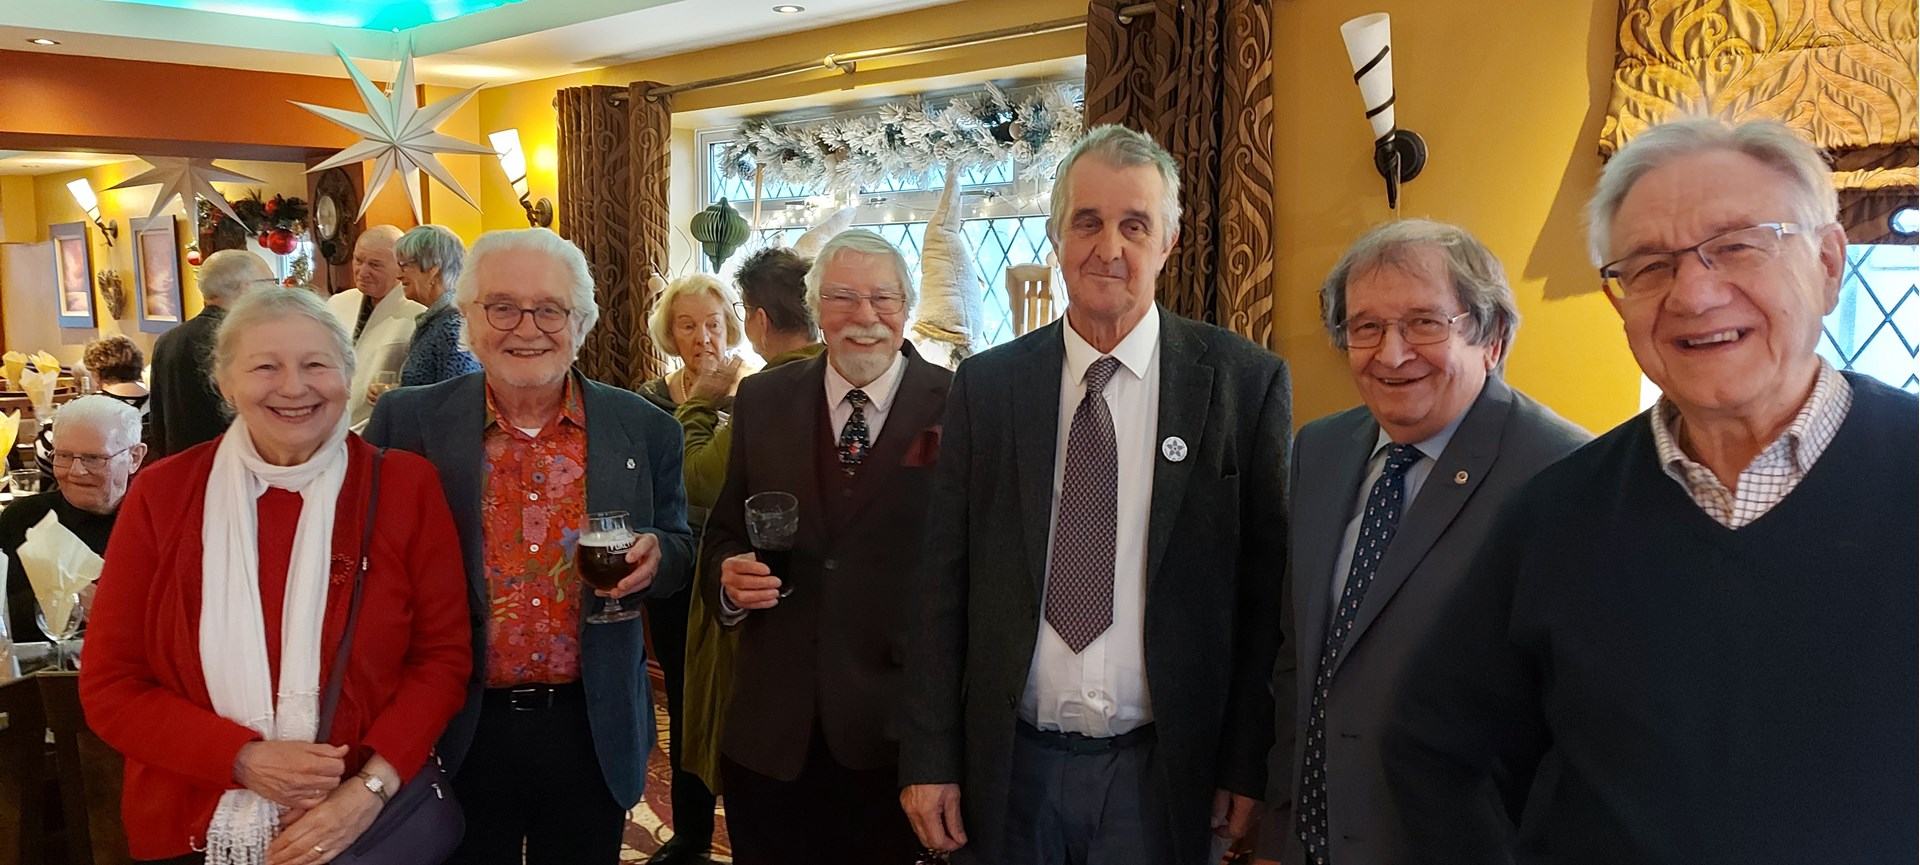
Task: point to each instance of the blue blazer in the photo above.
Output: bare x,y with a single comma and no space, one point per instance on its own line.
633,465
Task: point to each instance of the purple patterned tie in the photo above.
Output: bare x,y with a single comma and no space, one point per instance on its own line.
1080,579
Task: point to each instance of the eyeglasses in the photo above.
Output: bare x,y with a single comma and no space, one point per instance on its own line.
847,301
1414,329
740,310
403,262
90,462
1736,252
548,317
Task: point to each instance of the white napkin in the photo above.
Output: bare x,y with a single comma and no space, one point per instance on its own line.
60,566
39,385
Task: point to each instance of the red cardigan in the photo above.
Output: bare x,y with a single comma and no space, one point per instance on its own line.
141,683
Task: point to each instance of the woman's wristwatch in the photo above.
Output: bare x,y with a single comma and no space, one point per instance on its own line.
375,784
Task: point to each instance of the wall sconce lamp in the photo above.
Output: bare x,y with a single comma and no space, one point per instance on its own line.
83,193
506,145
1398,154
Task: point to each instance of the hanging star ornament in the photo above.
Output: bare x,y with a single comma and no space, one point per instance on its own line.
398,134
184,178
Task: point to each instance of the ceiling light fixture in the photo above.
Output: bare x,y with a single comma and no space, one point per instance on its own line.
42,40
789,9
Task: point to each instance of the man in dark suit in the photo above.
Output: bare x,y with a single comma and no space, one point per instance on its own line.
1390,501
1101,589
551,749
186,410
810,747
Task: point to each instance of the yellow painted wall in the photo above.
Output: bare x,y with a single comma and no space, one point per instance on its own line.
1510,98
444,207
54,204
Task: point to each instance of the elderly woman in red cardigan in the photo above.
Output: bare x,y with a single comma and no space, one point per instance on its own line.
226,591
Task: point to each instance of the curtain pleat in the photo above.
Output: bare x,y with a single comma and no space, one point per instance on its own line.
1197,76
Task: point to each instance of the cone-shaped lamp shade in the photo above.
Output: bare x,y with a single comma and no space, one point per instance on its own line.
1369,46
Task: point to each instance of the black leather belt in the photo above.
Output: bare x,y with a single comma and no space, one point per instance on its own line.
533,698
1077,743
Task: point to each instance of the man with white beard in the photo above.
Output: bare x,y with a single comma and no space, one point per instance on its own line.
808,753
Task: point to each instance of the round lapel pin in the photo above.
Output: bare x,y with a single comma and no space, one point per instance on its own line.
1173,449
1460,478
629,462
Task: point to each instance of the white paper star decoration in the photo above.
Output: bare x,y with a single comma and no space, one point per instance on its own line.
398,134
184,178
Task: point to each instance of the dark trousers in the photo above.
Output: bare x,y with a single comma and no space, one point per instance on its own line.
532,777
1085,808
829,815
692,802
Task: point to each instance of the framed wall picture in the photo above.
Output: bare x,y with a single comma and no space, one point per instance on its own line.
72,274
156,272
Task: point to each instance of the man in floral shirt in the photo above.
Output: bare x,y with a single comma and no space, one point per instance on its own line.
550,751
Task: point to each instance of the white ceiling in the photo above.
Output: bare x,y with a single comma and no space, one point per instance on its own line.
26,163
517,42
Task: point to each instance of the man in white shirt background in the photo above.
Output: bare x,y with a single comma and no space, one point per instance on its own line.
379,317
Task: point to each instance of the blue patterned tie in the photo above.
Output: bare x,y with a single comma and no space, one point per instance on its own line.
853,436
1377,525
1080,577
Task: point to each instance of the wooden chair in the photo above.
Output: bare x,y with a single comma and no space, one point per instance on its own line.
1030,296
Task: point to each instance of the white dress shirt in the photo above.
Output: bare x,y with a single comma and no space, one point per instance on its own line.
880,393
1416,477
1102,691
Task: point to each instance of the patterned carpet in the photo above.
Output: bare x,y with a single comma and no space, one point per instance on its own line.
649,825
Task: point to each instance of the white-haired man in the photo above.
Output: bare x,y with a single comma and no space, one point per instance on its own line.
1698,630
378,316
186,410
1100,594
96,450
809,751
551,749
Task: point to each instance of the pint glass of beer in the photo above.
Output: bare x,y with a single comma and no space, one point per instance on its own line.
601,559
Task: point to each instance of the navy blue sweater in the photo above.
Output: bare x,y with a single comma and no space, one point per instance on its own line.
1685,693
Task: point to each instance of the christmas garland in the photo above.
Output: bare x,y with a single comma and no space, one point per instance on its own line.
275,223
906,140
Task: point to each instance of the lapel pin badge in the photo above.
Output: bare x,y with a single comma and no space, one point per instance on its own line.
1460,478
1173,449
629,462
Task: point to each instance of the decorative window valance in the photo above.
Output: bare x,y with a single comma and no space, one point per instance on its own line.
1842,71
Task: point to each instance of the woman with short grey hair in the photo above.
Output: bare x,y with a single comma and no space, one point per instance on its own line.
431,258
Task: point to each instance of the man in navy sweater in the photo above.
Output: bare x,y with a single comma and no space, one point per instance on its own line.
1696,633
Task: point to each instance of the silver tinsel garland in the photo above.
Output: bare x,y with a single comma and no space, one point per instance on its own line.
908,139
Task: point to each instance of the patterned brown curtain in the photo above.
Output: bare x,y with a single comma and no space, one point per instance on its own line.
613,205
1842,71
1197,75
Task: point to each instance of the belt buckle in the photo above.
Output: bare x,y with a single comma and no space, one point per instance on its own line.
533,705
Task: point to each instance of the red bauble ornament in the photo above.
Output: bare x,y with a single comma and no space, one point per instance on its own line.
193,257
281,241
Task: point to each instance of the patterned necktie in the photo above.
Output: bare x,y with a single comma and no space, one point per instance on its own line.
1376,532
853,436
1080,580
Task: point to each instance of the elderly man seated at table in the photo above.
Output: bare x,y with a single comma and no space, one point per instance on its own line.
96,450
1692,639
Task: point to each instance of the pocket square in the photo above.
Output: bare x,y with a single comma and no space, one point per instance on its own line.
925,450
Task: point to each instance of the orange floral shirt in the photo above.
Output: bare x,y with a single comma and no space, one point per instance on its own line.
533,499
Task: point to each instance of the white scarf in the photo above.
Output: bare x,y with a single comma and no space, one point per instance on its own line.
233,643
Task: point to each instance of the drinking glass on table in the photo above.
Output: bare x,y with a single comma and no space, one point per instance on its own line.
601,559
64,658
773,519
